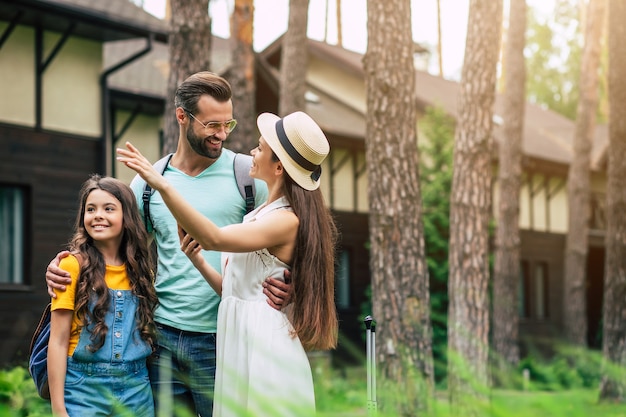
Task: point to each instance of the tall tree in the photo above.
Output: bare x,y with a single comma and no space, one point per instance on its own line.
189,52
339,26
613,386
294,59
439,40
242,77
507,254
578,181
400,289
470,207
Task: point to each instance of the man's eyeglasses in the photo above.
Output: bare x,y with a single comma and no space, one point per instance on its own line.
214,127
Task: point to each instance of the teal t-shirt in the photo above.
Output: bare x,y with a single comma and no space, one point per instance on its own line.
186,301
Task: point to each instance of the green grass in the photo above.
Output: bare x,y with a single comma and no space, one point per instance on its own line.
573,403
345,395
504,403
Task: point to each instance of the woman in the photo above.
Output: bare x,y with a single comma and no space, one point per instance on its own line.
262,367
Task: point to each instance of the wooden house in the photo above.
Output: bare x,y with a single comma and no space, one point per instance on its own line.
80,77
56,127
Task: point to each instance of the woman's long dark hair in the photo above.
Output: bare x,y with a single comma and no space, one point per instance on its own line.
133,251
314,315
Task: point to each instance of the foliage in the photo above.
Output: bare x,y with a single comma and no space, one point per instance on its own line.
18,395
568,369
554,46
553,55
436,145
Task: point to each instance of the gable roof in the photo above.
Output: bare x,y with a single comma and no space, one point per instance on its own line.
547,136
148,75
102,20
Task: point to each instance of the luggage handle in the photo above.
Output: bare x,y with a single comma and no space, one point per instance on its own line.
370,332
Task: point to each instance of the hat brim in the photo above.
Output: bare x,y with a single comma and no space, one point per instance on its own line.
266,122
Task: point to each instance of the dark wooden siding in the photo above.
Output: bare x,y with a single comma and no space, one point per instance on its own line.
547,249
354,231
51,167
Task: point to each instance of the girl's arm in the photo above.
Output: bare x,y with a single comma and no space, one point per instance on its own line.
193,251
277,229
60,326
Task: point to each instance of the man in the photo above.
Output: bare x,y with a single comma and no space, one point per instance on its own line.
202,171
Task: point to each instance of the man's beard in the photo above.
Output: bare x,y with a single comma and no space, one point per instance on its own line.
199,146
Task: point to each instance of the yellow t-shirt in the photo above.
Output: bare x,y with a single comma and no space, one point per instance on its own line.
115,278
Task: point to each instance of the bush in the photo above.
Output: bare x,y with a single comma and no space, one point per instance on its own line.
18,395
569,369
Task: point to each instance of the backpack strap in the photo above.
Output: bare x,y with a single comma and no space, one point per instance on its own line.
245,183
159,166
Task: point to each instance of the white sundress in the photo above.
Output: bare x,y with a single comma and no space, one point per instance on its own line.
261,369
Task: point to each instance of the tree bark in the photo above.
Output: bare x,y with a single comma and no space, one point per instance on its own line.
470,207
294,59
242,78
613,386
578,182
189,52
339,25
439,40
400,287
507,255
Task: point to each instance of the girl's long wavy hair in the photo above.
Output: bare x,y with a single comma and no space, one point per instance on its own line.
313,315
134,252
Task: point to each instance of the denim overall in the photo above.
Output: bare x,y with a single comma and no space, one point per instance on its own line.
114,379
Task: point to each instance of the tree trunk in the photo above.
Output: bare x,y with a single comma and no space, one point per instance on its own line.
400,287
439,40
189,51
339,29
507,255
613,386
294,59
242,78
470,208
578,182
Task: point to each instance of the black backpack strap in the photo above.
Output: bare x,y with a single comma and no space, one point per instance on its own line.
245,183
160,166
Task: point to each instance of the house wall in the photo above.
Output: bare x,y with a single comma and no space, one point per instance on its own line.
338,83
48,163
70,84
17,75
144,133
50,167
543,204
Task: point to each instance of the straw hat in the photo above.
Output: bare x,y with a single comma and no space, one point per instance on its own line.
299,143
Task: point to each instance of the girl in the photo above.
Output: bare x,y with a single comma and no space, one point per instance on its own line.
101,329
262,367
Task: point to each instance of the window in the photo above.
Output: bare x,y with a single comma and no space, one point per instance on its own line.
533,290
524,291
11,235
342,290
541,290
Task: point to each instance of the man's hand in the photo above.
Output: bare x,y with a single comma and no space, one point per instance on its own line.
57,278
278,293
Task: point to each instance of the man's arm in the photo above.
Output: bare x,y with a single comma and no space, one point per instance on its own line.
57,278
278,293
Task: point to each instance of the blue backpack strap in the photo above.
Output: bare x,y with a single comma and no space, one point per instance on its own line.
38,354
245,183
159,166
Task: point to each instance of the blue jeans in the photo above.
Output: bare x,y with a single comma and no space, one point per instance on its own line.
108,389
182,371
